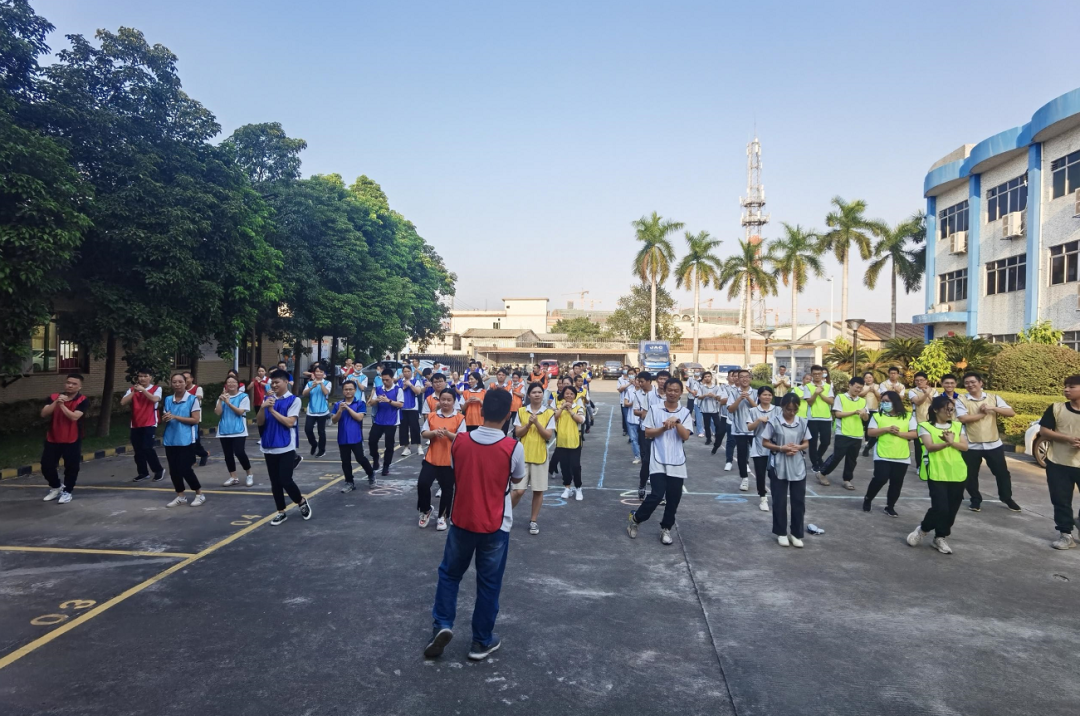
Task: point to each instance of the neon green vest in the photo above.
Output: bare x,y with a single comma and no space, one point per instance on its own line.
943,465
820,409
892,446
852,425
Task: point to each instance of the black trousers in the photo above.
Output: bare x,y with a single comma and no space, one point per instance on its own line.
742,453
279,468
645,445
181,459
1062,480
891,473
847,449
409,430
349,451
623,410
710,421
52,454
233,449
945,500
820,439
918,454
784,491
995,460
199,451
386,433
142,442
761,465
311,422
663,487
569,460
429,473
870,442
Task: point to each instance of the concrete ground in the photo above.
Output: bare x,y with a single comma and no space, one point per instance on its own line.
115,605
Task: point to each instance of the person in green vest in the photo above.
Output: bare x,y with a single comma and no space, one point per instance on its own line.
851,415
894,428
819,398
1060,425
943,468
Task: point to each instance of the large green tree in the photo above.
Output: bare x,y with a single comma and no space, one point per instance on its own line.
653,260
632,320
847,225
577,329
700,267
899,248
793,257
744,275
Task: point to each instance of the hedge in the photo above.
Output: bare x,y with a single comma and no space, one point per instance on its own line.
1013,429
1033,368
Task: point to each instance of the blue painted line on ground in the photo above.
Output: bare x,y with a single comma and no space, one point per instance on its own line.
607,442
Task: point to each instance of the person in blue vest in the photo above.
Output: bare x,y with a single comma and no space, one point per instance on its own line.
318,409
412,390
386,400
279,416
181,414
349,417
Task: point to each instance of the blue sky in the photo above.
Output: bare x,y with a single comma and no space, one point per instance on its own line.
522,139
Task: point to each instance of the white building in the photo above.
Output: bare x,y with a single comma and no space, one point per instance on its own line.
1003,230
517,313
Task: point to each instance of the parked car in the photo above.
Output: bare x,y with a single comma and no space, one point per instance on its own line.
369,370
551,366
1034,444
690,368
611,369
724,369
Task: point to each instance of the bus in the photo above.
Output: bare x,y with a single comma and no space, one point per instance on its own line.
654,355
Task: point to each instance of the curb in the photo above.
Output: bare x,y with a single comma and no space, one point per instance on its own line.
23,470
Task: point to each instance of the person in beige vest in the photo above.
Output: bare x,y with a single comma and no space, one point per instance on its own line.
1060,424
782,384
893,383
920,397
979,411
872,393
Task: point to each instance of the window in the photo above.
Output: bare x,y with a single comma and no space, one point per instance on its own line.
952,286
1071,339
1005,275
953,219
1006,198
182,361
1063,262
495,326
1065,175
1003,338
52,351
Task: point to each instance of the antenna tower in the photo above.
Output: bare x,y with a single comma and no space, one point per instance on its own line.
753,219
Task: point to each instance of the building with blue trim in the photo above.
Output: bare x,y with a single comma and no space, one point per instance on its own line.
1003,230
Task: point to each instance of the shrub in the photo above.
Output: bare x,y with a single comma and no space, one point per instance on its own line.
1029,404
1033,368
761,371
839,378
1013,429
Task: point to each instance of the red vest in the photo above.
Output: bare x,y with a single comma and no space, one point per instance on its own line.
481,483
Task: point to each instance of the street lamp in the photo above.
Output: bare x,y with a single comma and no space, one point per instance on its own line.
854,324
767,333
830,280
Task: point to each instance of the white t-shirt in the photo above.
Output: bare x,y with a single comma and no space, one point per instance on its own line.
913,424
294,412
667,455
961,409
488,436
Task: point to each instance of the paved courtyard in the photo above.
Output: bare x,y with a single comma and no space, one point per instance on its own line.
114,605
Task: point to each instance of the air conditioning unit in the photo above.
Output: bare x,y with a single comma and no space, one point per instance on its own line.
1012,225
1076,206
958,242
941,308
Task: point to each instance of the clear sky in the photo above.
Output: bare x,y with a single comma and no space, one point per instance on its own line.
523,138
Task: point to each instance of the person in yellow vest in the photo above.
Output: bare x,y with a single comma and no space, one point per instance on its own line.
534,423
920,397
944,470
851,416
803,411
894,429
1060,425
979,411
569,415
871,391
819,401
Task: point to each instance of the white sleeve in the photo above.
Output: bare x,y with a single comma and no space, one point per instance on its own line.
688,421
517,461
912,424
427,426
245,404
294,409
923,431
199,393
461,426
196,405
647,421
873,422
766,432
126,394
1001,403
961,409
806,432
551,423
911,394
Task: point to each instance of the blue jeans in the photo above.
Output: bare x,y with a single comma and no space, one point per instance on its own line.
491,550
698,423
730,441
635,441
625,410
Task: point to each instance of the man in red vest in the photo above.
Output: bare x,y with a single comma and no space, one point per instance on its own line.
486,462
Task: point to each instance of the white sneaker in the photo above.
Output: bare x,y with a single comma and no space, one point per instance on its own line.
941,545
764,504
727,466
177,501
53,494
406,452
665,536
420,452
701,435
249,480
231,481
438,493
425,518
744,485
441,524
579,494
916,536
65,497
566,493
783,541
795,541
636,461
199,499
534,529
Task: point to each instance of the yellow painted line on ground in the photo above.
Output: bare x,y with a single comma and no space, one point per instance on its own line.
79,550
153,489
105,606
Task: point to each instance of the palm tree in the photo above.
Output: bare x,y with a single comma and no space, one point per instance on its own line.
840,357
903,350
653,260
743,274
971,353
847,226
895,246
792,257
698,268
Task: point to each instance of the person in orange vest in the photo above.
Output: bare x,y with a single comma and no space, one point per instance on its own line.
486,466
517,392
473,397
442,428
538,376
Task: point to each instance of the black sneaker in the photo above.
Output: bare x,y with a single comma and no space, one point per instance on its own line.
372,483
204,459
708,442
320,453
374,466
890,511
348,487
975,506
140,478
385,471
313,449
865,505
479,652
296,463
159,476
1011,504
439,639
305,509
641,495
279,518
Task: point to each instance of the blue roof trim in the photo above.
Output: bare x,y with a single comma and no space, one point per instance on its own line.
1056,110
1000,143
944,173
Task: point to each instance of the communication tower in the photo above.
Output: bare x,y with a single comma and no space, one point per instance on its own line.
754,219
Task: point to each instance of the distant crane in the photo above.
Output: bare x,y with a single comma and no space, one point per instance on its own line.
581,294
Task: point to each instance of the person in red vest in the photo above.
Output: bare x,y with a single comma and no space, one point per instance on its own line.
486,462
144,398
63,441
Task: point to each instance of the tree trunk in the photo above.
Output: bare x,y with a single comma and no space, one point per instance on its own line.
652,314
843,293
892,331
794,324
697,302
297,349
333,359
251,357
746,322
195,369
105,416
